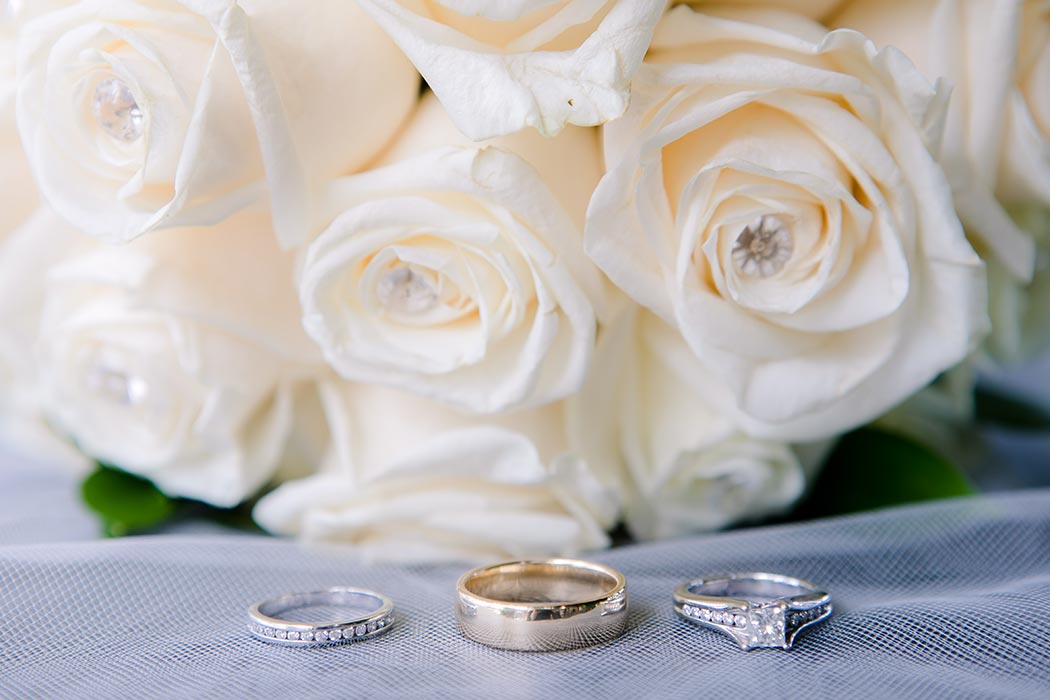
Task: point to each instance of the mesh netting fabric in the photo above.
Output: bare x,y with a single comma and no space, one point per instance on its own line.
945,600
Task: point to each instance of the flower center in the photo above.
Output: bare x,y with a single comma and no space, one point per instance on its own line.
117,386
403,290
116,110
764,247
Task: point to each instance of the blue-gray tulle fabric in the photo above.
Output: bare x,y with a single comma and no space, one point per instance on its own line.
949,600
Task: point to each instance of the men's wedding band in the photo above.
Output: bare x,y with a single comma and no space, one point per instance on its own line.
755,609
542,604
265,622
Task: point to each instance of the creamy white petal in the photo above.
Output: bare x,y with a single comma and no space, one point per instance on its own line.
572,67
814,9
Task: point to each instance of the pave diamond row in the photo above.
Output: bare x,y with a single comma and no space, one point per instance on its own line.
718,617
802,617
348,633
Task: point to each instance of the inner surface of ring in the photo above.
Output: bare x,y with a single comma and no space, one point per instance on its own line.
321,607
748,589
542,583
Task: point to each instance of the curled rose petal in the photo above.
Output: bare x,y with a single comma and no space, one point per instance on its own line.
500,66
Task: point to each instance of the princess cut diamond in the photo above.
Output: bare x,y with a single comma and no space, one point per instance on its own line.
766,625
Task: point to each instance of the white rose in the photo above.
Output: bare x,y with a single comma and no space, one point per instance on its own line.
685,467
177,357
459,273
772,196
500,66
411,480
139,115
996,148
26,255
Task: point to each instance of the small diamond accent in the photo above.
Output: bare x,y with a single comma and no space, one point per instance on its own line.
335,635
405,290
739,621
282,634
293,636
705,615
321,636
371,627
360,630
764,247
117,112
307,636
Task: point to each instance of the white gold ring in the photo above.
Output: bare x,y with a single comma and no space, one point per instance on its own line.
265,623
755,609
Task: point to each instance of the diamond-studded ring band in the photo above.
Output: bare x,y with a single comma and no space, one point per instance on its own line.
755,609
265,623
542,604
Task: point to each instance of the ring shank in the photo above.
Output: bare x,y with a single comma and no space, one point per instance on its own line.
357,600
751,587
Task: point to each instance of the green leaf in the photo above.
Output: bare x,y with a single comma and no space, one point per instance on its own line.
126,503
994,407
872,468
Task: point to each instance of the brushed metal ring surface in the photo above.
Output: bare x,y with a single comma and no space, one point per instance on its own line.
542,604
757,610
265,624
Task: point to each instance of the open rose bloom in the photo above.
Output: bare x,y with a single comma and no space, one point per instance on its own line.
138,115
772,192
632,264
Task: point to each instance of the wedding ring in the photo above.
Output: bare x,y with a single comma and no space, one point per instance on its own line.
755,609
265,623
542,604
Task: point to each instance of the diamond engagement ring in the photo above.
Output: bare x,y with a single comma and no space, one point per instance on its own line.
542,605
755,609
265,623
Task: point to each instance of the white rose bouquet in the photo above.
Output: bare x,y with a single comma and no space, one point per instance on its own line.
619,269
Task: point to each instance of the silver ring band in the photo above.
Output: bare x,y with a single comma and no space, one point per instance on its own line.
755,609
265,623
542,605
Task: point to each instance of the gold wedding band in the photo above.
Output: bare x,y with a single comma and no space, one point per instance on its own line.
542,604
